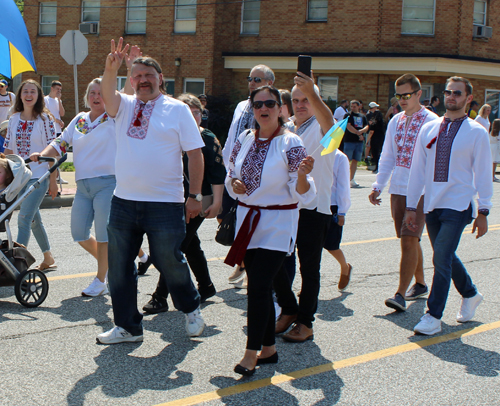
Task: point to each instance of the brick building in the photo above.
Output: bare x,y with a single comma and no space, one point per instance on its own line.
359,47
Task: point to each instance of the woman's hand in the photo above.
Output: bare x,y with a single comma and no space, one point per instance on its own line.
53,189
135,52
213,210
306,166
238,186
34,156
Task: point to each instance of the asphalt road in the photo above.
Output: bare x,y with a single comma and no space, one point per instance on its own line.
362,354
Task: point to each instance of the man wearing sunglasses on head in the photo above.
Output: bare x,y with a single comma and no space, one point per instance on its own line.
453,162
402,133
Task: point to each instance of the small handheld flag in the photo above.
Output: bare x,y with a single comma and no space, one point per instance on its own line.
332,139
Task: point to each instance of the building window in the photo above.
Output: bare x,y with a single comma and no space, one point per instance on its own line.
328,87
47,83
185,16
492,97
136,17
250,16
91,11
48,17
317,10
418,17
169,86
194,86
120,82
480,7
427,93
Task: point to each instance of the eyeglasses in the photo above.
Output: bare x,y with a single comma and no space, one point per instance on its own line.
268,103
448,93
196,113
255,79
405,96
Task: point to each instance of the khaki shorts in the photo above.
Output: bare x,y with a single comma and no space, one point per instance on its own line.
398,208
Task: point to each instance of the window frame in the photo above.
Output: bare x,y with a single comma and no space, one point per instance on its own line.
46,87
485,17
418,20
243,21
83,12
324,78
128,20
177,26
310,20
165,86
493,105
430,91
40,23
193,80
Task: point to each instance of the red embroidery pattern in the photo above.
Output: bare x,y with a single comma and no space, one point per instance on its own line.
251,170
140,132
406,137
235,152
295,156
23,137
446,136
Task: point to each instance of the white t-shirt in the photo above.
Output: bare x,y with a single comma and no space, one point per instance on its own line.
94,145
311,134
485,122
26,137
6,102
339,114
341,190
149,157
53,105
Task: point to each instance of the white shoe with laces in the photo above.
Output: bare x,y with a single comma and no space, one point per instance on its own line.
354,183
428,325
194,323
118,335
468,307
96,288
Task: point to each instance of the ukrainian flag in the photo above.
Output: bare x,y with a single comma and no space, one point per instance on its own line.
332,139
16,55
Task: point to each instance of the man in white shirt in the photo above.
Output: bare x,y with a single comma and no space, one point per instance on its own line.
7,100
152,132
394,164
341,110
453,162
54,103
312,119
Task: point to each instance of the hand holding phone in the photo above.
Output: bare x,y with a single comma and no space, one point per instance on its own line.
304,64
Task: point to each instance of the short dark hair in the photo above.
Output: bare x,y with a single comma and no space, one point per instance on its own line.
275,92
56,83
468,85
411,79
434,98
286,98
355,102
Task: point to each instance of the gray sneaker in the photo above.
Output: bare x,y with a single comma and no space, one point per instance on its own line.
397,303
416,291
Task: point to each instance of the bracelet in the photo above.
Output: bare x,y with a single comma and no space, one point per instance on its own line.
411,209
484,212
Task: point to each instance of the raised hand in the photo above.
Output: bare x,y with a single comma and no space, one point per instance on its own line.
115,57
306,166
135,52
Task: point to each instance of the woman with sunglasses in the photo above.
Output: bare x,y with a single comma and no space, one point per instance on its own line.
268,173
31,129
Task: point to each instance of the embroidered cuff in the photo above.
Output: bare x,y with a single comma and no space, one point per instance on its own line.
376,189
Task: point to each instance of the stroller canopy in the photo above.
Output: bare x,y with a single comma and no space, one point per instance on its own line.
22,174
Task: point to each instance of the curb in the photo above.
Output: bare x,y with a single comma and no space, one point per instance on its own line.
58,202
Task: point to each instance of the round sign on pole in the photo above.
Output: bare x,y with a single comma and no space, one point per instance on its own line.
77,52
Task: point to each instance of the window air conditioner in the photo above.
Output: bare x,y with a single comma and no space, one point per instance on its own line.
89,28
481,31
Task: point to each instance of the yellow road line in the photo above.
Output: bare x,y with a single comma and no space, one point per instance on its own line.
361,359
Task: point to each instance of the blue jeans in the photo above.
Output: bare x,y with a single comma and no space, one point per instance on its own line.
164,225
445,227
29,216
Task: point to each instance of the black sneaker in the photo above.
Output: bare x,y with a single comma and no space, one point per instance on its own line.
142,267
397,302
416,291
207,292
156,304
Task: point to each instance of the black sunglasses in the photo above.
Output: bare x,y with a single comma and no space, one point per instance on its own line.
268,103
448,93
405,96
256,79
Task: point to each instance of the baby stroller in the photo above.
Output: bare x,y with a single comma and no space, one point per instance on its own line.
30,285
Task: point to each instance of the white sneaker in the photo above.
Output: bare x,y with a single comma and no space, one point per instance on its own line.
428,325
96,288
468,307
118,335
354,183
242,283
194,323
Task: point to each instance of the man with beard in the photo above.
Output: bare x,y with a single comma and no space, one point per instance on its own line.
453,162
152,132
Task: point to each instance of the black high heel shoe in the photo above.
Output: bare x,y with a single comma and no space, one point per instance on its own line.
272,359
244,371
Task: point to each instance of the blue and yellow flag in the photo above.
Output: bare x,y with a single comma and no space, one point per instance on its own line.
332,139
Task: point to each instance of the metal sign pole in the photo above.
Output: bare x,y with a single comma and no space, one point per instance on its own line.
75,74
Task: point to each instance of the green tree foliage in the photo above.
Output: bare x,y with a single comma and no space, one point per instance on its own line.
20,5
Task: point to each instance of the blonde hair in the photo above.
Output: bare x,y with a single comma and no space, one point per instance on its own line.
96,81
4,163
481,110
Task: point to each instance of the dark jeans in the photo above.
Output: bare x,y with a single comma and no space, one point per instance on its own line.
191,247
445,227
163,223
262,266
376,150
311,235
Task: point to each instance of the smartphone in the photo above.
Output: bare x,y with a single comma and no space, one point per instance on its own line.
304,64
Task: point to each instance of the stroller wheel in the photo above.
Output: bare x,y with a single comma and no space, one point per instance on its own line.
31,288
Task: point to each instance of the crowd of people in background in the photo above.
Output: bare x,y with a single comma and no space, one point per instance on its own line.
290,200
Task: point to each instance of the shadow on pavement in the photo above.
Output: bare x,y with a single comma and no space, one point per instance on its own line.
334,309
409,319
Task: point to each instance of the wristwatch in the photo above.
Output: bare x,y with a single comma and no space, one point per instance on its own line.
484,212
198,197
